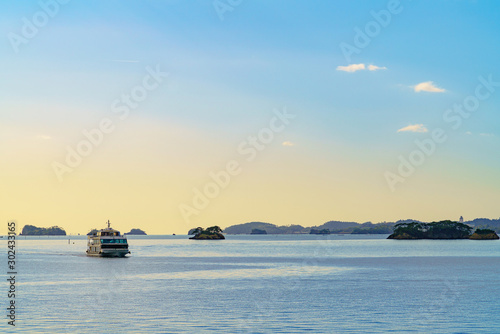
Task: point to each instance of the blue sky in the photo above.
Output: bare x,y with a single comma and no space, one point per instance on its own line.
226,77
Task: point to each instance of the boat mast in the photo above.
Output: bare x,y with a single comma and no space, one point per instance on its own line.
109,224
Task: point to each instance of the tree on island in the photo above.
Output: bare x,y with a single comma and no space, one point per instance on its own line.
484,231
323,231
195,231
211,233
213,230
484,234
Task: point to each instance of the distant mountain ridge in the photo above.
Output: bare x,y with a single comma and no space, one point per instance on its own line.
334,226
493,224
247,228
331,226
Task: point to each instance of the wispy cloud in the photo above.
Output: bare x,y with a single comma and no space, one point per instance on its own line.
482,134
428,86
351,68
376,68
360,67
288,143
414,128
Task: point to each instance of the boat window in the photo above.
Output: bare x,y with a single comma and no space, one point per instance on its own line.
113,241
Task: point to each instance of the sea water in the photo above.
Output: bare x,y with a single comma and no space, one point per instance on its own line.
257,284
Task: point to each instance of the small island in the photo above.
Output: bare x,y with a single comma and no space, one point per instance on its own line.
92,231
136,231
33,230
445,229
484,234
324,231
258,231
211,233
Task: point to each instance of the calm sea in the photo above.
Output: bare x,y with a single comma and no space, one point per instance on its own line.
257,284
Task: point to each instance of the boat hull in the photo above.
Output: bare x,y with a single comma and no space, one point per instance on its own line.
109,253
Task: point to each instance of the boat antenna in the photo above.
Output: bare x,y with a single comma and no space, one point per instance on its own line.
109,224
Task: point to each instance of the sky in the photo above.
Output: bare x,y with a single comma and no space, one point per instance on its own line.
167,115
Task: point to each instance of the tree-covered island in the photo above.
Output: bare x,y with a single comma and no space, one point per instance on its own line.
484,234
445,229
323,231
136,231
258,231
211,233
33,230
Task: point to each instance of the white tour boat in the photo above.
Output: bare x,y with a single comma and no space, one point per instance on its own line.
107,242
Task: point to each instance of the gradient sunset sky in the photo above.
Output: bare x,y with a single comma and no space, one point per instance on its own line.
232,67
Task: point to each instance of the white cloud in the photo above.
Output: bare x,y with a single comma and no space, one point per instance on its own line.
427,86
288,143
482,134
414,128
360,67
376,68
351,68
